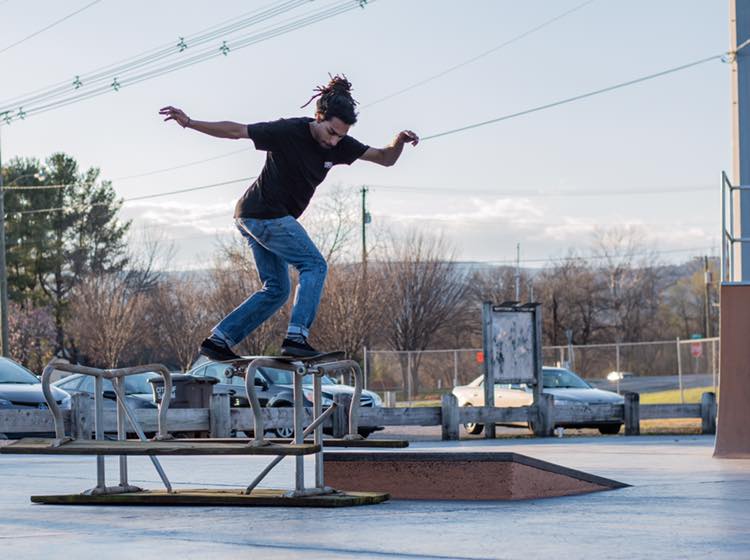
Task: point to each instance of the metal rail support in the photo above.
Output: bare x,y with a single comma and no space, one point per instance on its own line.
299,370
116,376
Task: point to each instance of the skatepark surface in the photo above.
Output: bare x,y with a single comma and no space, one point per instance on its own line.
682,504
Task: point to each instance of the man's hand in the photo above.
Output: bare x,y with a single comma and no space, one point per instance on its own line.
175,114
407,136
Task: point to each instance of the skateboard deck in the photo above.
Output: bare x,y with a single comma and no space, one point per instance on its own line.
317,358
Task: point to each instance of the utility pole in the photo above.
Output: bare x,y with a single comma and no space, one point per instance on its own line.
3,271
734,414
707,296
366,219
518,272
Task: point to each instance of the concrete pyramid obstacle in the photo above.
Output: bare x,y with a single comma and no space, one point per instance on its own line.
458,476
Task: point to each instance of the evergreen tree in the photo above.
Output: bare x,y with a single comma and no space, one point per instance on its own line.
58,235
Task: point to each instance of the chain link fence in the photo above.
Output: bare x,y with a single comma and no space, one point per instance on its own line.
643,367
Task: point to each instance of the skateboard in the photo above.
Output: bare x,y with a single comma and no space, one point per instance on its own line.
316,359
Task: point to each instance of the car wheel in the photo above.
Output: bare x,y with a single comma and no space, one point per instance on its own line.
609,429
284,433
472,427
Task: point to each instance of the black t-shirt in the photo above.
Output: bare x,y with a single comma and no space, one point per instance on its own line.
295,165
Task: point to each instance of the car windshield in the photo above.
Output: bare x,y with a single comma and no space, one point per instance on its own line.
134,384
284,377
139,383
11,372
563,379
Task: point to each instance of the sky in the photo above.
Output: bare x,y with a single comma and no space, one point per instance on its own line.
647,156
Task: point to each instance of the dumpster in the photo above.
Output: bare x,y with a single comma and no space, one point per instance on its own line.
187,391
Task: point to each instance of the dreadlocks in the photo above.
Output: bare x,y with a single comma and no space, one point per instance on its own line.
335,100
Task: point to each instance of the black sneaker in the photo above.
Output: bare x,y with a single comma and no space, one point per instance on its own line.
297,349
216,351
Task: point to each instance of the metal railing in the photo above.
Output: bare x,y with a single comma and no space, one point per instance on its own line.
123,410
413,374
728,239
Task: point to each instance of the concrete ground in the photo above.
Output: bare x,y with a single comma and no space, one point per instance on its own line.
683,504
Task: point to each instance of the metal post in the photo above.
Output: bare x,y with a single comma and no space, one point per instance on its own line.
364,364
3,271
299,411
679,371
707,296
455,368
318,433
99,430
713,364
489,373
739,15
408,376
121,431
617,361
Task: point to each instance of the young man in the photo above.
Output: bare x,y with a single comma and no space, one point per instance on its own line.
300,152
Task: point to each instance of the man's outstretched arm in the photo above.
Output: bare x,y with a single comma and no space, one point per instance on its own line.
222,129
389,155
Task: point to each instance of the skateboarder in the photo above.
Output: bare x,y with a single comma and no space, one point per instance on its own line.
299,153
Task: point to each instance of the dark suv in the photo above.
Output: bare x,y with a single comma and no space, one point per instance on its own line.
275,388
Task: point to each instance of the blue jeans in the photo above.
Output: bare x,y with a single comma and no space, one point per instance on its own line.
277,243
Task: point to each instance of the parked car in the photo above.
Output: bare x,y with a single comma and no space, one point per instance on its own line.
138,391
275,389
566,387
21,390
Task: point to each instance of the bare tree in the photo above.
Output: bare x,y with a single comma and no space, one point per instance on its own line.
332,223
631,272
178,304
108,317
31,334
423,294
571,294
351,309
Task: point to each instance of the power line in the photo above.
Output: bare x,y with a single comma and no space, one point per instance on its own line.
697,250
208,54
181,166
531,192
479,56
520,193
577,97
22,109
152,55
50,26
135,198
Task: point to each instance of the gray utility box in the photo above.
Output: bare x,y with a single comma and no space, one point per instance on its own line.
187,391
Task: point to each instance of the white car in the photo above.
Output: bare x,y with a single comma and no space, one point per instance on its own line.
566,387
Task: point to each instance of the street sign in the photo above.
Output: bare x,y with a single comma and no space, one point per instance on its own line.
696,348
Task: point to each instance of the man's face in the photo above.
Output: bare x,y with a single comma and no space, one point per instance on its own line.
330,132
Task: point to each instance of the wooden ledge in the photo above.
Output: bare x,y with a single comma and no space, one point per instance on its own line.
364,443
211,497
33,446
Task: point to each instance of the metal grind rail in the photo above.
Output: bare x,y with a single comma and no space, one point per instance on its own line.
164,444
299,370
116,376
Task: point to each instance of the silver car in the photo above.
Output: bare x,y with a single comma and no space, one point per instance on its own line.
21,390
566,387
